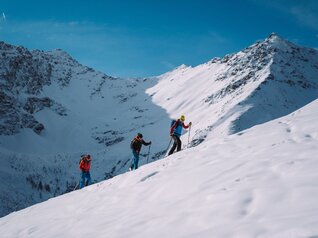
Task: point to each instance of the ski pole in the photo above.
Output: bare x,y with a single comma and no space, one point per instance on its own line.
189,136
148,152
168,146
76,186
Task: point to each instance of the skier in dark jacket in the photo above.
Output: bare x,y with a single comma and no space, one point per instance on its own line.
135,146
175,133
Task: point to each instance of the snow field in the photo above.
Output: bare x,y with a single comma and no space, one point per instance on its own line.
258,183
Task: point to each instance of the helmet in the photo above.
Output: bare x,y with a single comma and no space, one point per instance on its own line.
182,118
139,135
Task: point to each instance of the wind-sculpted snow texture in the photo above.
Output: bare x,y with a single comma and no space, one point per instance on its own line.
54,109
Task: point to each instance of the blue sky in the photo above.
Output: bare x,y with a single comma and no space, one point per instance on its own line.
147,38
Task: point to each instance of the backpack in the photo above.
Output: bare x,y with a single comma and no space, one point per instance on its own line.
134,143
81,159
173,122
171,125
84,164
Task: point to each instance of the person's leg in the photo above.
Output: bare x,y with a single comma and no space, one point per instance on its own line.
88,178
82,182
136,160
174,145
179,144
133,161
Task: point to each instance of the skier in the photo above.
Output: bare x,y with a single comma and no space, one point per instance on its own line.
135,146
85,165
175,133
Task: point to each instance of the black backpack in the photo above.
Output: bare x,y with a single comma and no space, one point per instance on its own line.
134,143
172,122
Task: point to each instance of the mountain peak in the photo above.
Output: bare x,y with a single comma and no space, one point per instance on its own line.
274,38
273,35
183,66
60,52
273,76
278,42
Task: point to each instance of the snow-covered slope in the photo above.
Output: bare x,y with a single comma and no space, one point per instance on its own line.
257,183
53,109
264,81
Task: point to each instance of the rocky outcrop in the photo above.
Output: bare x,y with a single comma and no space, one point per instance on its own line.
23,75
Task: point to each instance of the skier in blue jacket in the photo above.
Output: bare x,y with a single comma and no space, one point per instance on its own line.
175,133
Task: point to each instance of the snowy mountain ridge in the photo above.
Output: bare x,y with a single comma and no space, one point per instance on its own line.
54,109
271,78
24,75
84,111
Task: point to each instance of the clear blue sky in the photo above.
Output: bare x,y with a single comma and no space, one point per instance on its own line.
146,38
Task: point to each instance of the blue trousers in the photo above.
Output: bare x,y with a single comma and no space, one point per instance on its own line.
135,162
85,176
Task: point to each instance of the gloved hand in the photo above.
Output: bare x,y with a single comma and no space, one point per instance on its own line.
149,142
190,123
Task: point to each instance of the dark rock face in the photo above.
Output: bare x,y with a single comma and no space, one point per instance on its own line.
34,104
38,128
23,74
20,71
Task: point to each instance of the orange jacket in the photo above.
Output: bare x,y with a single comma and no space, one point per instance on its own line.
85,164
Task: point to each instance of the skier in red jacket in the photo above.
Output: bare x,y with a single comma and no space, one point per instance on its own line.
85,166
